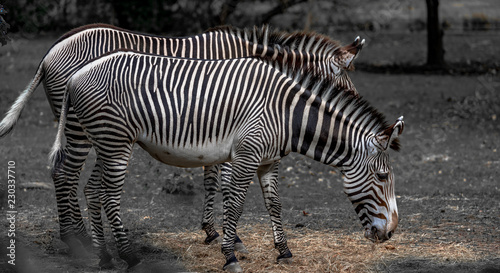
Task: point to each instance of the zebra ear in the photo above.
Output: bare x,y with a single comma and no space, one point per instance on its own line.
349,53
388,137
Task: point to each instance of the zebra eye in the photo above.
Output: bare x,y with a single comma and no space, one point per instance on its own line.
382,176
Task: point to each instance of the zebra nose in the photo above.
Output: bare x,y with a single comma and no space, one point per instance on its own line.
381,235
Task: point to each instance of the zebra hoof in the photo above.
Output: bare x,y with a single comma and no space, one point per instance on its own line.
106,262
139,267
86,241
76,248
214,239
133,262
240,247
106,265
285,258
233,267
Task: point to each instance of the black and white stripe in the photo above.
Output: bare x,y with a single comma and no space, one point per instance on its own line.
193,113
304,51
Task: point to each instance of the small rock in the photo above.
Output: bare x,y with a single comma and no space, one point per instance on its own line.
390,247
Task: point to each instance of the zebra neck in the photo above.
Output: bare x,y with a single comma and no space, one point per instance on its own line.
291,61
321,133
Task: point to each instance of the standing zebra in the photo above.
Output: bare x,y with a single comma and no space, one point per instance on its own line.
78,46
185,113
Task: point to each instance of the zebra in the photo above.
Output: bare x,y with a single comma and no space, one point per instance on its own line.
183,113
85,43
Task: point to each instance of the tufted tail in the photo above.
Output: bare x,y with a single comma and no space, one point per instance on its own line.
10,119
56,153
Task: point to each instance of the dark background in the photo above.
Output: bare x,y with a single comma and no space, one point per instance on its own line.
447,172
30,19
183,17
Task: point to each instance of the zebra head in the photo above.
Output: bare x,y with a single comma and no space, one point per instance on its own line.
369,184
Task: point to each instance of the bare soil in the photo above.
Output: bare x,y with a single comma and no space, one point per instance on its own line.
446,178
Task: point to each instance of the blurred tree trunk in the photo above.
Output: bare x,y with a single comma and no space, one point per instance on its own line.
435,50
226,10
3,27
309,18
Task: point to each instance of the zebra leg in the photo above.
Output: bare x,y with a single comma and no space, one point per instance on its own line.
226,171
79,148
114,168
92,190
211,184
78,225
268,177
234,194
65,176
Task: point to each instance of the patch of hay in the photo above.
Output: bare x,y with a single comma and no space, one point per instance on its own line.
313,250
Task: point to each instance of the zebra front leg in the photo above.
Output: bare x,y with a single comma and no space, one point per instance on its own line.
268,177
234,194
214,176
92,191
211,184
114,167
225,177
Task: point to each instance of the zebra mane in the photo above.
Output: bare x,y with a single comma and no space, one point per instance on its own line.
336,96
350,104
277,44
308,41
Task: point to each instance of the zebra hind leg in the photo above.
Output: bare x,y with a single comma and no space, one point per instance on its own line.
92,190
65,175
66,183
66,230
114,168
78,224
268,177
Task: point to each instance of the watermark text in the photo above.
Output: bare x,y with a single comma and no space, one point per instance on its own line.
11,212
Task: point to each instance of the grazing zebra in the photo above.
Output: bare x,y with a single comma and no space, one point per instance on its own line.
80,45
184,113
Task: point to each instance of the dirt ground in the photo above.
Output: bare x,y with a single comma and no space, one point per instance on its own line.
447,184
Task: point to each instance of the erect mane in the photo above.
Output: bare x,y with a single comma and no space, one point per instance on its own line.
278,45
350,104
309,41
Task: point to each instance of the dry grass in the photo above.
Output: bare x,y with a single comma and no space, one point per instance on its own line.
314,251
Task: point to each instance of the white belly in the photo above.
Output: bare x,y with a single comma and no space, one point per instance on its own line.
189,156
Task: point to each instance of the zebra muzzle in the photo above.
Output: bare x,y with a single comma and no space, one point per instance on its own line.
377,235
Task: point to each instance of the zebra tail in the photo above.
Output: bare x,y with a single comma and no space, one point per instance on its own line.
10,119
56,156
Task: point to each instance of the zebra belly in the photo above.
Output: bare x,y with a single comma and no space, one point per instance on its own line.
189,156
